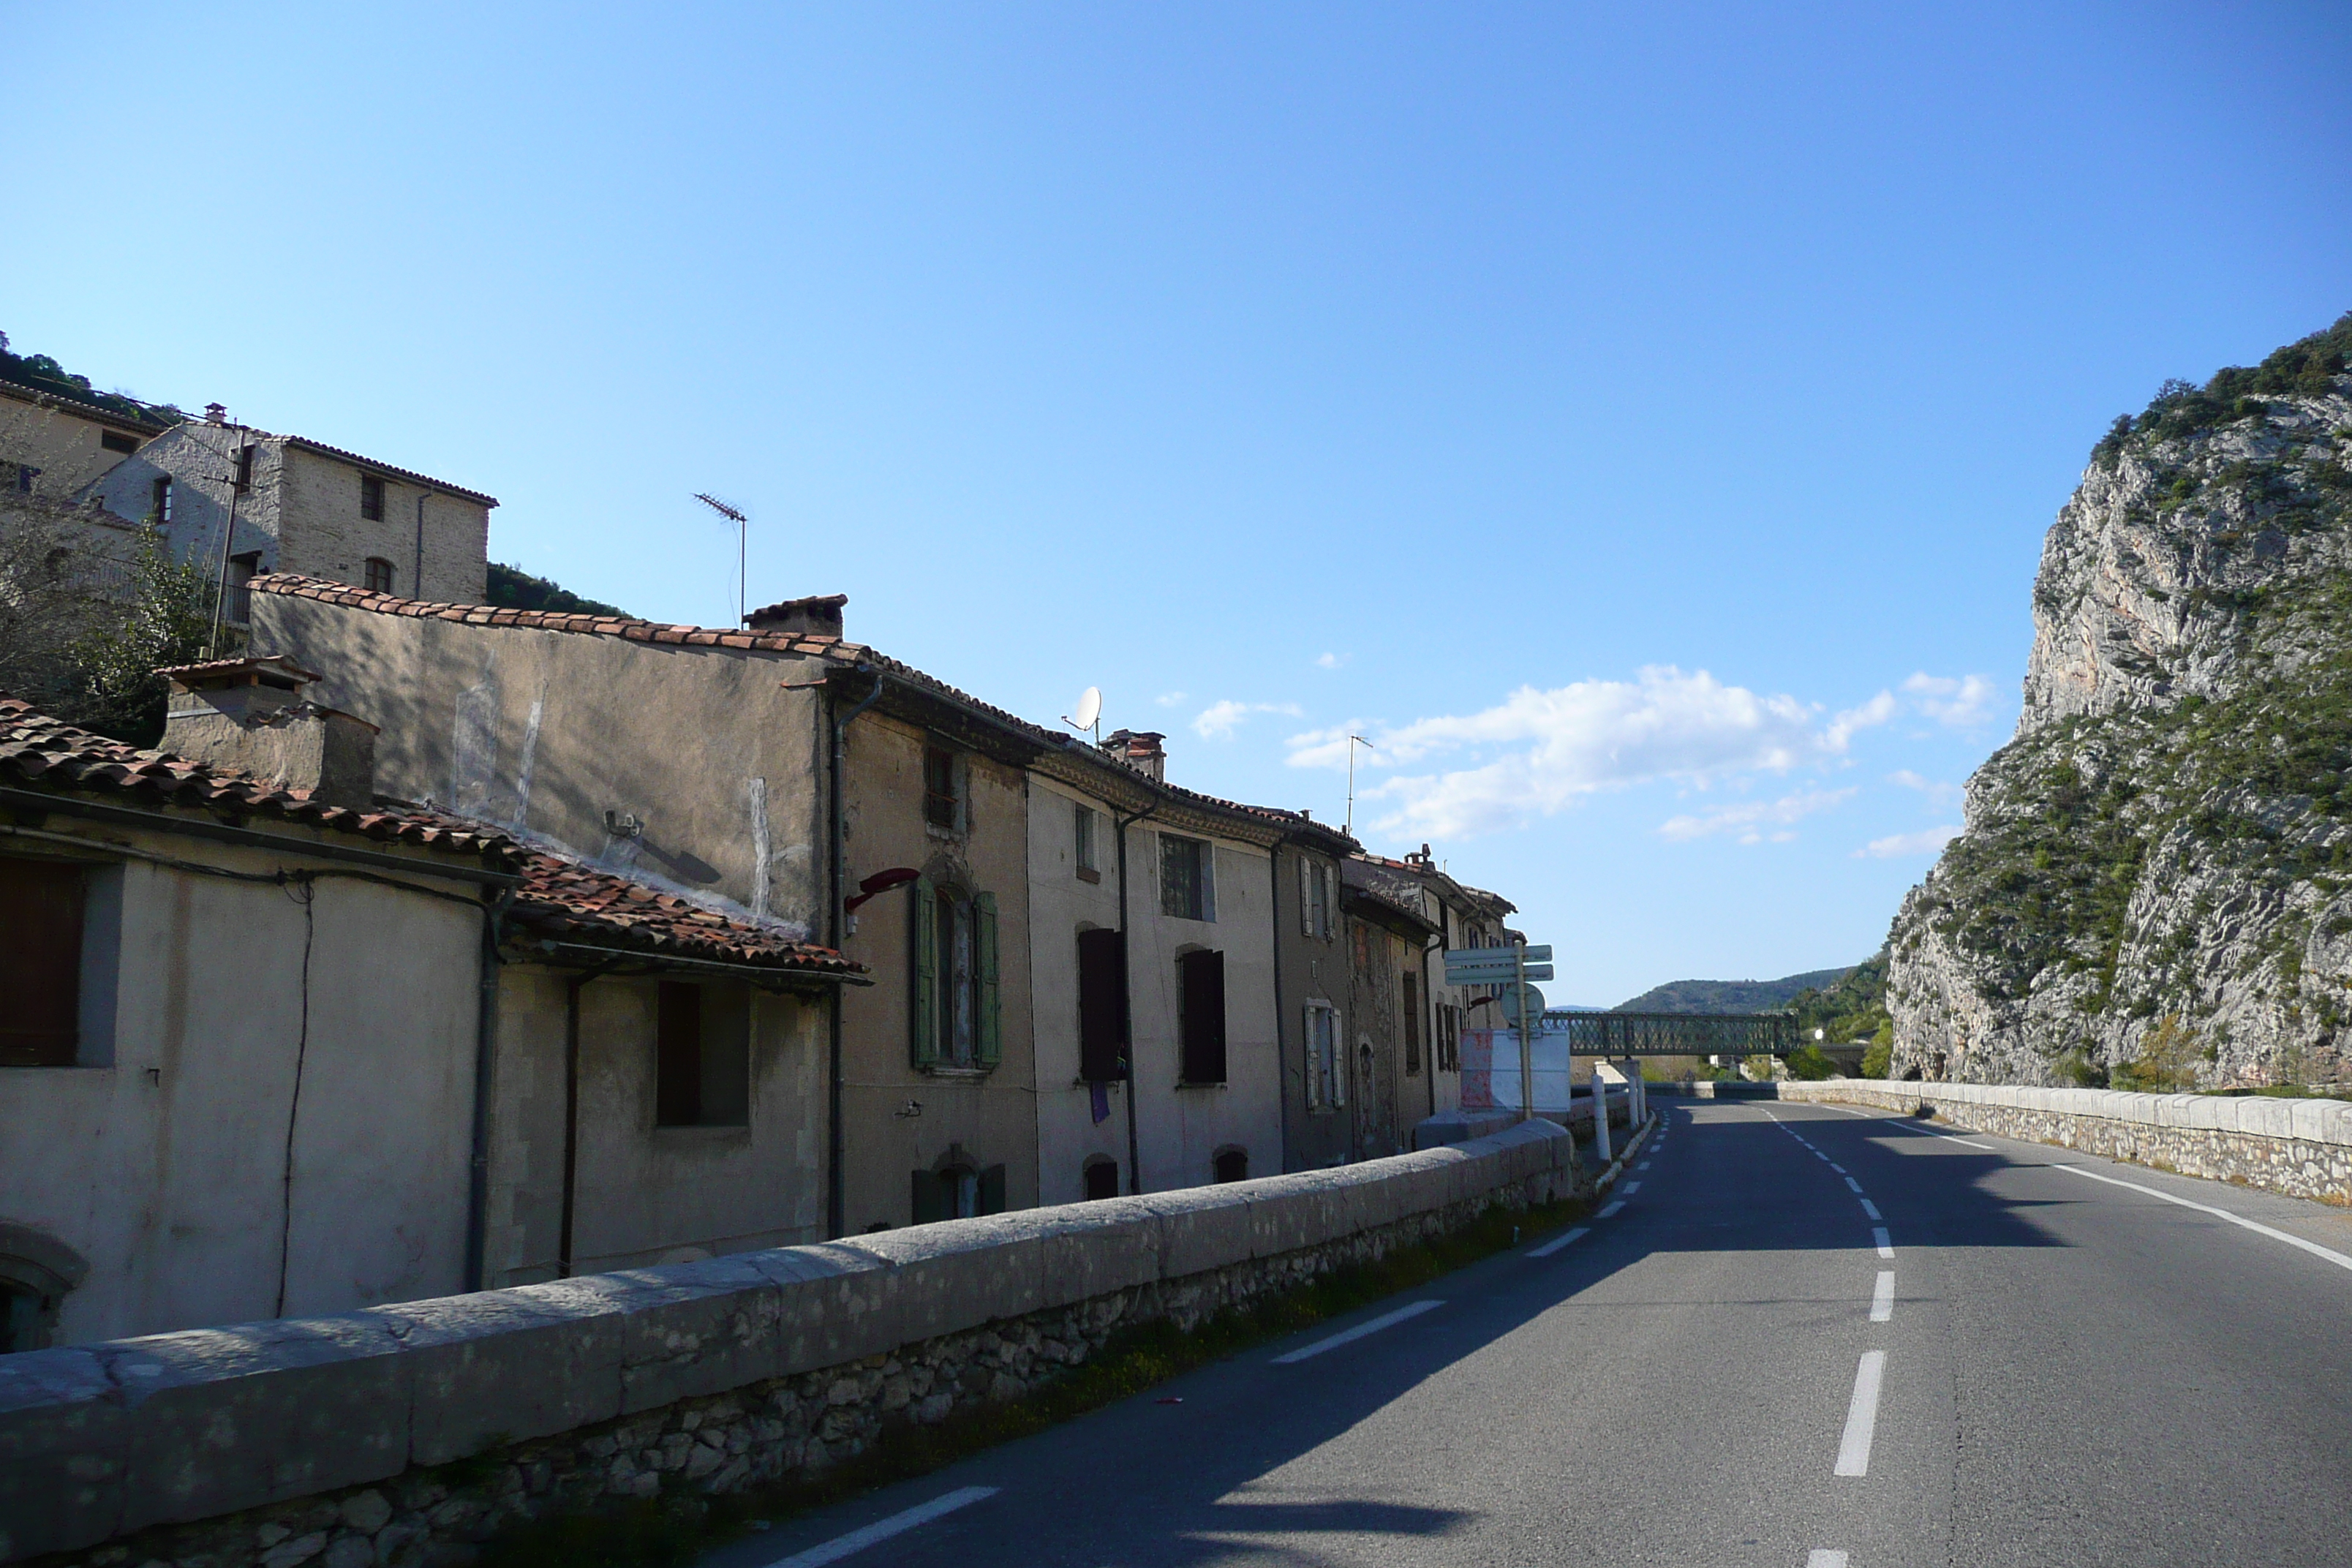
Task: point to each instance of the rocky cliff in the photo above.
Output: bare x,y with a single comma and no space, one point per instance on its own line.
2155,885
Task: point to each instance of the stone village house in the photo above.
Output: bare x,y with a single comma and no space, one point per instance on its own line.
272,1047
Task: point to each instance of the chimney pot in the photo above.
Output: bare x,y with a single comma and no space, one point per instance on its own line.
249,714
1142,750
215,414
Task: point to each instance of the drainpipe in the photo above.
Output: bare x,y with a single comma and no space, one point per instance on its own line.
1428,1009
486,1030
835,1193
1281,1051
1127,977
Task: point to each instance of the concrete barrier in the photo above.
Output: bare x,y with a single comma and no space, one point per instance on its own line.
2299,1147
277,1443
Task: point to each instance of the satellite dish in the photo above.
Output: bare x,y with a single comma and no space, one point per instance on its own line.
1089,710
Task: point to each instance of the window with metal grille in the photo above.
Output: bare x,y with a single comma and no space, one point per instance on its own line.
941,804
1102,1006
1200,984
379,574
1185,891
371,498
40,962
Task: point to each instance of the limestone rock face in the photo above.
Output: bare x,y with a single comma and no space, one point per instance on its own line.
2155,883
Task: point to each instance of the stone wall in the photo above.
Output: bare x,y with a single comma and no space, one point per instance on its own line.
2299,1147
337,1440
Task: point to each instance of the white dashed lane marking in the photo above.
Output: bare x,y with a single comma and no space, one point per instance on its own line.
1861,1416
1350,1336
1881,1300
842,1546
1548,1248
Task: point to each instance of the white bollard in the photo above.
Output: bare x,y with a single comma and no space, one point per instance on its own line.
1599,1117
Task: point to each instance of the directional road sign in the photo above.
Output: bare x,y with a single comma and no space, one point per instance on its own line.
1522,1002
1493,973
1502,955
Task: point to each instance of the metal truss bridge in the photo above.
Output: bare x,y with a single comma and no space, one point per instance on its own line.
1674,1033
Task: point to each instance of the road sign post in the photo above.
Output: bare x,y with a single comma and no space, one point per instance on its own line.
1528,1027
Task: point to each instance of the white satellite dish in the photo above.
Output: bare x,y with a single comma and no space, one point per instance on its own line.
1089,710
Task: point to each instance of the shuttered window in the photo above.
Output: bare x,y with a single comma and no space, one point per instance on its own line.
1202,985
957,1193
1102,1006
40,962
1326,1080
1411,1004
956,1013
371,498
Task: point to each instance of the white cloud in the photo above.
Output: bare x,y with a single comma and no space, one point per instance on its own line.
1538,753
1218,720
1332,660
1754,820
1958,701
1927,841
1937,793
1169,699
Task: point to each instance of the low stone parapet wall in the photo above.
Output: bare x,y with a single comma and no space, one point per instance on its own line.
336,1440
2299,1147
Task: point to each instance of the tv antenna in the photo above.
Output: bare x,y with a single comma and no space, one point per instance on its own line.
1354,742
1089,713
743,522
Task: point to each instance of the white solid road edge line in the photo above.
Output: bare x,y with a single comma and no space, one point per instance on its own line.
1861,1416
1611,1211
1886,1245
841,1546
1548,1248
2313,1247
1348,1336
1882,1298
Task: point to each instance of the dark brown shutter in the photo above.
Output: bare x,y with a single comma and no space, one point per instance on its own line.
40,963
1202,976
1102,1004
992,1189
678,1050
1412,1025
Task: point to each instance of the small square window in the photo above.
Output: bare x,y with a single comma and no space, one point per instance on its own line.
1184,889
379,574
117,441
371,498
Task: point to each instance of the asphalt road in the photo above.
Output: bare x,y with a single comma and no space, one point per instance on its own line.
2068,1371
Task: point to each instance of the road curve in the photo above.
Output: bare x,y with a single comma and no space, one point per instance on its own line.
1809,1331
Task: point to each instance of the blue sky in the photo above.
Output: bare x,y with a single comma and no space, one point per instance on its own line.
1641,422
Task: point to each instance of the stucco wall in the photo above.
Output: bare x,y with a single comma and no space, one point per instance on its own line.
1314,968
63,446
647,1194
166,1170
989,1117
544,733
1062,904
320,1437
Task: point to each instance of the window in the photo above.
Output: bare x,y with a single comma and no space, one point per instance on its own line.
1101,1178
40,963
159,501
1184,889
116,441
955,1012
1201,990
943,802
702,1073
1449,1038
244,468
371,498
379,574
38,1271
957,1192
25,475
1231,1165
1314,900
1327,1088
1102,1006
1411,1005
242,569
1082,843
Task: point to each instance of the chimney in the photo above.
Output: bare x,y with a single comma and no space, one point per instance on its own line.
818,615
215,414
249,714
1140,750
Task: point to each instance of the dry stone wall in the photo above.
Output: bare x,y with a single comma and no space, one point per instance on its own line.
406,1435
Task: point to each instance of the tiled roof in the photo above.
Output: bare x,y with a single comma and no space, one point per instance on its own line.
439,487
98,413
39,750
812,645
557,897
273,664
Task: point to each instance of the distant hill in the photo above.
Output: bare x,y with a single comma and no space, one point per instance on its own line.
1730,995
511,587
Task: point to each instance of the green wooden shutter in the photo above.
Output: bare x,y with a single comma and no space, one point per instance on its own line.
923,1007
930,1198
983,937
991,1190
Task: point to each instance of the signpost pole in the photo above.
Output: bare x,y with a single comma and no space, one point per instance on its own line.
1526,1032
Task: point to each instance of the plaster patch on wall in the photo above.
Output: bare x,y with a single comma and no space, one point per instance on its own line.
530,756
756,789
474,745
